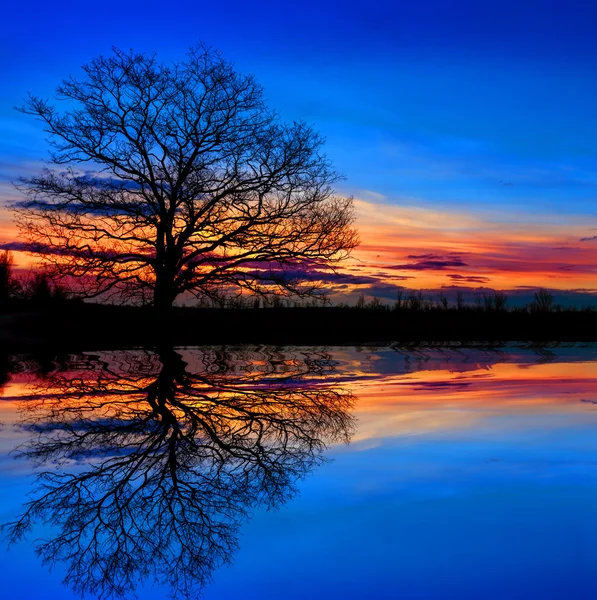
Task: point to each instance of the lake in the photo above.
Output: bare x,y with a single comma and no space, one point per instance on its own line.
267,472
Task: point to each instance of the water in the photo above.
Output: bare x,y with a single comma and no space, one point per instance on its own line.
301,472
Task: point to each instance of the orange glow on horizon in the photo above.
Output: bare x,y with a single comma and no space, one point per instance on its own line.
393,403
464,250
401,244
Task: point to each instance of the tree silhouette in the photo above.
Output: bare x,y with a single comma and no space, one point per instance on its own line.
152,466
542,301
8,284
177,178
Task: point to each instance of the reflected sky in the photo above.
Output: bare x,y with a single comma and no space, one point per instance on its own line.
471,473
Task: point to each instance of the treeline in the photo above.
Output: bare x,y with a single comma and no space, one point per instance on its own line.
414,301
34,289
492,301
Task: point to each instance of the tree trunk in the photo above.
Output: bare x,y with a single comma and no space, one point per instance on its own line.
163,295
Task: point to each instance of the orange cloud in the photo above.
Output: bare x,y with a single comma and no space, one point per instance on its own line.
437,249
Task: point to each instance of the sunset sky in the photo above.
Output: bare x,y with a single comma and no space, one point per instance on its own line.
466,130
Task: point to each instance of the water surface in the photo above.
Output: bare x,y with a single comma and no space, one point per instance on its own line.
301,472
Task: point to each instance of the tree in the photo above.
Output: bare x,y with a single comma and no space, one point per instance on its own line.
543,301
499,300
148,467
177,178
41,290
8,285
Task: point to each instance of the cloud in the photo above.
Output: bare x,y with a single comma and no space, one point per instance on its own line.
425,256
312,275
588,239
468,278
43,249
442,385
429,265
14,246
384,291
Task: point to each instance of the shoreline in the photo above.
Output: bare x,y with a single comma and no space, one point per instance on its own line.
80,326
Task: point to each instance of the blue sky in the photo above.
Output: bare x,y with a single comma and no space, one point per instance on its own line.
459,103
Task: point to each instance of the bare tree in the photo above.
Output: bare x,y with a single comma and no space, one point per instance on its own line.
460,301
442,301
149,465
499,300
543,301
177,178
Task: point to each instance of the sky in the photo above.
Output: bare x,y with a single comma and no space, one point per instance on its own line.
465,130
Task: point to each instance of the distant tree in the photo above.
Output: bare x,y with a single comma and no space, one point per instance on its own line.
460,301
499,300
488,302
416,301
8,284
177,178
478,302
542,301
442,301
41,290
376,304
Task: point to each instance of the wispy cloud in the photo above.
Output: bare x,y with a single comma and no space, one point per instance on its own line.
473,248
468,278
428,265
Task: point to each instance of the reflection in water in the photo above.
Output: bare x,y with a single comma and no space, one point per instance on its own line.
149,463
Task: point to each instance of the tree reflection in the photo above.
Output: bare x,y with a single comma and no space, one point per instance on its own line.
150,463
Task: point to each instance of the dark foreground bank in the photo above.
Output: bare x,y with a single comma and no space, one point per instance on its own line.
88,326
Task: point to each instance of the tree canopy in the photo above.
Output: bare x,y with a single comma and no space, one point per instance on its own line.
168,179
